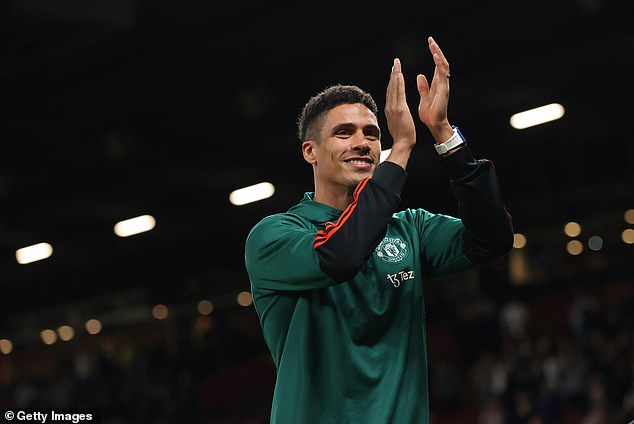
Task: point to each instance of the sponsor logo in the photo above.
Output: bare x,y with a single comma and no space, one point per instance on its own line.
400,277
391,250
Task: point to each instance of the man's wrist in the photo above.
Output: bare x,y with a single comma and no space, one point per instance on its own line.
442,132
400,154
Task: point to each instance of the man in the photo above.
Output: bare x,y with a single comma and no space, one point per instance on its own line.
337,280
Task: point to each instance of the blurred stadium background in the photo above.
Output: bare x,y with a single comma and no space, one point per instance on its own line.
115,109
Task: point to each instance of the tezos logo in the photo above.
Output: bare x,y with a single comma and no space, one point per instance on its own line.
391,250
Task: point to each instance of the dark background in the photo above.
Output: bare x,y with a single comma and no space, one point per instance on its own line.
113,109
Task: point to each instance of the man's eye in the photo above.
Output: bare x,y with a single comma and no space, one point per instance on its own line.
372,137
343,133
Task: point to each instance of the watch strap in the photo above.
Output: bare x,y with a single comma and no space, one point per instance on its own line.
454,141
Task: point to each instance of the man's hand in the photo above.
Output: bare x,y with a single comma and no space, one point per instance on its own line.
399,118
434,99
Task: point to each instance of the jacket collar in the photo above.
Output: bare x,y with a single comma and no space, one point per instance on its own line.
315,211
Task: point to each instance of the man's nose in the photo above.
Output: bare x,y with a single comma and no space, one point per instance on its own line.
361,142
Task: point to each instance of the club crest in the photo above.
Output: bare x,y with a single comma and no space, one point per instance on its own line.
391,250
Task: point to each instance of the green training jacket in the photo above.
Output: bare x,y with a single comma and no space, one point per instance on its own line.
339,294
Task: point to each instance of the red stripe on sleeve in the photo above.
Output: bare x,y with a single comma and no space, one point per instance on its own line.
331,228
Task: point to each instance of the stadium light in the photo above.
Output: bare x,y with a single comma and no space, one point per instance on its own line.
251,194
537,116
33,253
133,226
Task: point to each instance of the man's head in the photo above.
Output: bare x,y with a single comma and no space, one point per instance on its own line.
311,120
341,139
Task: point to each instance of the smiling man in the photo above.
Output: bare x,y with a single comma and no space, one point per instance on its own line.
337,280
344,150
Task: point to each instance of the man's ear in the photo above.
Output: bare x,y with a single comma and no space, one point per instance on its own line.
308,149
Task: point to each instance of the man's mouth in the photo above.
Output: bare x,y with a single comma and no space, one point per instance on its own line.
360,162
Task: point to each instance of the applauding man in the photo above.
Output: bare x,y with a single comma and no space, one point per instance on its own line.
337,280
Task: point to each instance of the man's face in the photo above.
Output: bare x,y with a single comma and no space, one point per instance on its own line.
349,147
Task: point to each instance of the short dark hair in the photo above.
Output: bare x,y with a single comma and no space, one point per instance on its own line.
311,119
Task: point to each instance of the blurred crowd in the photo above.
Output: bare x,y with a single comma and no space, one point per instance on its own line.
561,354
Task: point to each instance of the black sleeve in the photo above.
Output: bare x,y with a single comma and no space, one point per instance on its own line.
343,246
489,231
